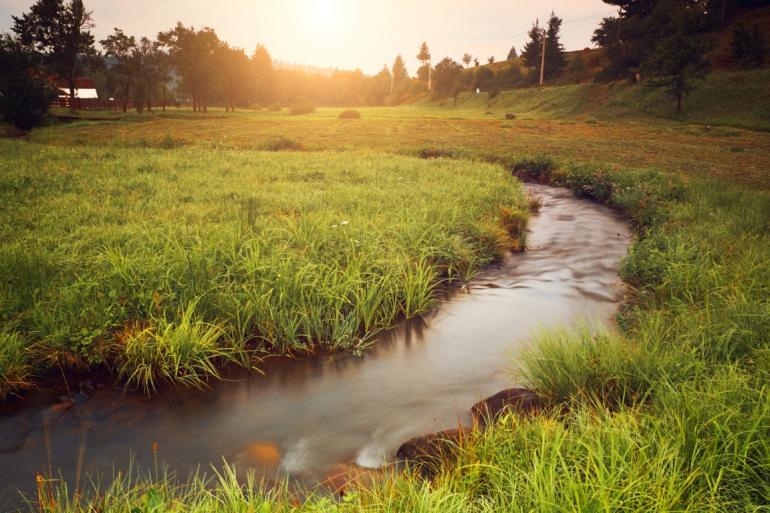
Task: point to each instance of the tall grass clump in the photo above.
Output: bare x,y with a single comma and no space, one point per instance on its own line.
183,351
585,367
15,362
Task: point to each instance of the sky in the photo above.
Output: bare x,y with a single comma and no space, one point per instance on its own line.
348,34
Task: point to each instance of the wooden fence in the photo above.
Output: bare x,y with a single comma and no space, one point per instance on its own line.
88,103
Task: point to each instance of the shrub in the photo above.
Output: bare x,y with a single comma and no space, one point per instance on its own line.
282,143
539,167
349,114
303,107
509,115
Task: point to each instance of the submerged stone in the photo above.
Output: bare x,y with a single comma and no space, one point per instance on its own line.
513,400
428,453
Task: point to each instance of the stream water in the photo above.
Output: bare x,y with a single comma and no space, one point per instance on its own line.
302,417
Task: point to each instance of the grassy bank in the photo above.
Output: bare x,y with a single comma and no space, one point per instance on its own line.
723,98
163,264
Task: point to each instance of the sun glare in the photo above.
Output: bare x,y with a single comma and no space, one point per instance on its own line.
325,14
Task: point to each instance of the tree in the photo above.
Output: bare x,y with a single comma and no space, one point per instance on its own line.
61,32
378,87
424,57
445,76
399,75
491,59
120,51
234,73
677,61
485,79
153,67
555,60
25,96
534,47
193,55
631,8
512,54
467,60
264,77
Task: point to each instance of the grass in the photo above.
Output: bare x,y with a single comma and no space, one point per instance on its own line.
670,412
161,263
674,146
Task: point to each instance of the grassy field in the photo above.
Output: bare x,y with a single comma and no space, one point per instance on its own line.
670,412
471,129
159,263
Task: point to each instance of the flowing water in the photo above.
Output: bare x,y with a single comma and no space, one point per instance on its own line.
305,416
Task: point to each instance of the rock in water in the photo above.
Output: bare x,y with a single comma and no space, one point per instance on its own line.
428,453
514,400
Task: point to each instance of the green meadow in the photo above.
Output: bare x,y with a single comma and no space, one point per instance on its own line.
164,265
165,246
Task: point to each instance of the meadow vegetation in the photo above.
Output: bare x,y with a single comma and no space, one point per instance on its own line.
125,253
163,264
671,412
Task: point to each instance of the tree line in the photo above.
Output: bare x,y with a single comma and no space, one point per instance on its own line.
660,42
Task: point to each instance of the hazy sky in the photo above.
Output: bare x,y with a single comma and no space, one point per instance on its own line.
349,33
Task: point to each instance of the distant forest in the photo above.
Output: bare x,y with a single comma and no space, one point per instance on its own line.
666,43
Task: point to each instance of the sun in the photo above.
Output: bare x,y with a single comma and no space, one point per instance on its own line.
326,13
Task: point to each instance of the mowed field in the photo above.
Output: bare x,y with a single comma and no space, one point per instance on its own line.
692,150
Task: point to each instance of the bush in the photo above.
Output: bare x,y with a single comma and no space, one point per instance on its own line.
282,143
349,114
537,167
301,108
510,116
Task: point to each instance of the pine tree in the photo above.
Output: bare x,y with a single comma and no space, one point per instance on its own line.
424,57
399,75
555,60
533,47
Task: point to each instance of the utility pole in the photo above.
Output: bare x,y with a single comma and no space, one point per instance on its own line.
429,75
542,58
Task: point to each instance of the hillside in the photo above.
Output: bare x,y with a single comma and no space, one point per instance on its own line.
724,98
